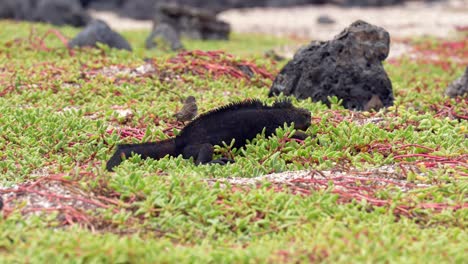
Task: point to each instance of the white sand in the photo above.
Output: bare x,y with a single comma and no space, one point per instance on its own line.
412,19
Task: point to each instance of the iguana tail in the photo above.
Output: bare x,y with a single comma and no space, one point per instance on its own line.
155,150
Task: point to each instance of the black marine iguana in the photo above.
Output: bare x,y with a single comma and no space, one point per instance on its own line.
240,121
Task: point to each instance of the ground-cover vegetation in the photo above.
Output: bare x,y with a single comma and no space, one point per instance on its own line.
387,186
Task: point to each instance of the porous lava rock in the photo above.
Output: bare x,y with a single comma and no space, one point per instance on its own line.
191,22
57,12
459,87
368,3
110,5
61,12
138,9
97,31
348,67
7,9
325,19
164,34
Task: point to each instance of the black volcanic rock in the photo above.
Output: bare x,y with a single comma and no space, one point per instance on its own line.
368,3
459,87
348,67
61,12
7,9
57,12
191,22
18,9
164,33
99,31
325,19
138,9
102,4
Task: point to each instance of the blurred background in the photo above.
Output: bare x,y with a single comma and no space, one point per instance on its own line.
303,20
310,19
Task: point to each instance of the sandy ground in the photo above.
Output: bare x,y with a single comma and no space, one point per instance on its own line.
412,19
121,23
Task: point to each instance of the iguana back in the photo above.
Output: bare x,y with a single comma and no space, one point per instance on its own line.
241,121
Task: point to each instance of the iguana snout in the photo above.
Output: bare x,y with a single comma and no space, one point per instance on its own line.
301,118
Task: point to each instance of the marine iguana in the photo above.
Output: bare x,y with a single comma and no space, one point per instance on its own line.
240,121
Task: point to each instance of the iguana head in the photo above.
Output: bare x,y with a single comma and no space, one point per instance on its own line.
301,118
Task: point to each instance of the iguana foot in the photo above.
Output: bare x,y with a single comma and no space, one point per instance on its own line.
221,161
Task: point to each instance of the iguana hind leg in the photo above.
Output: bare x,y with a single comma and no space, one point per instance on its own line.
203,154
222,161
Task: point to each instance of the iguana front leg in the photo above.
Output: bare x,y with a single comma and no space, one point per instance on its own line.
301,135
203,154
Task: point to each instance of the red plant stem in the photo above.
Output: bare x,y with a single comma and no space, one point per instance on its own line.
67,210
464,117
58,34
112,201
58,196
437,158
417,146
